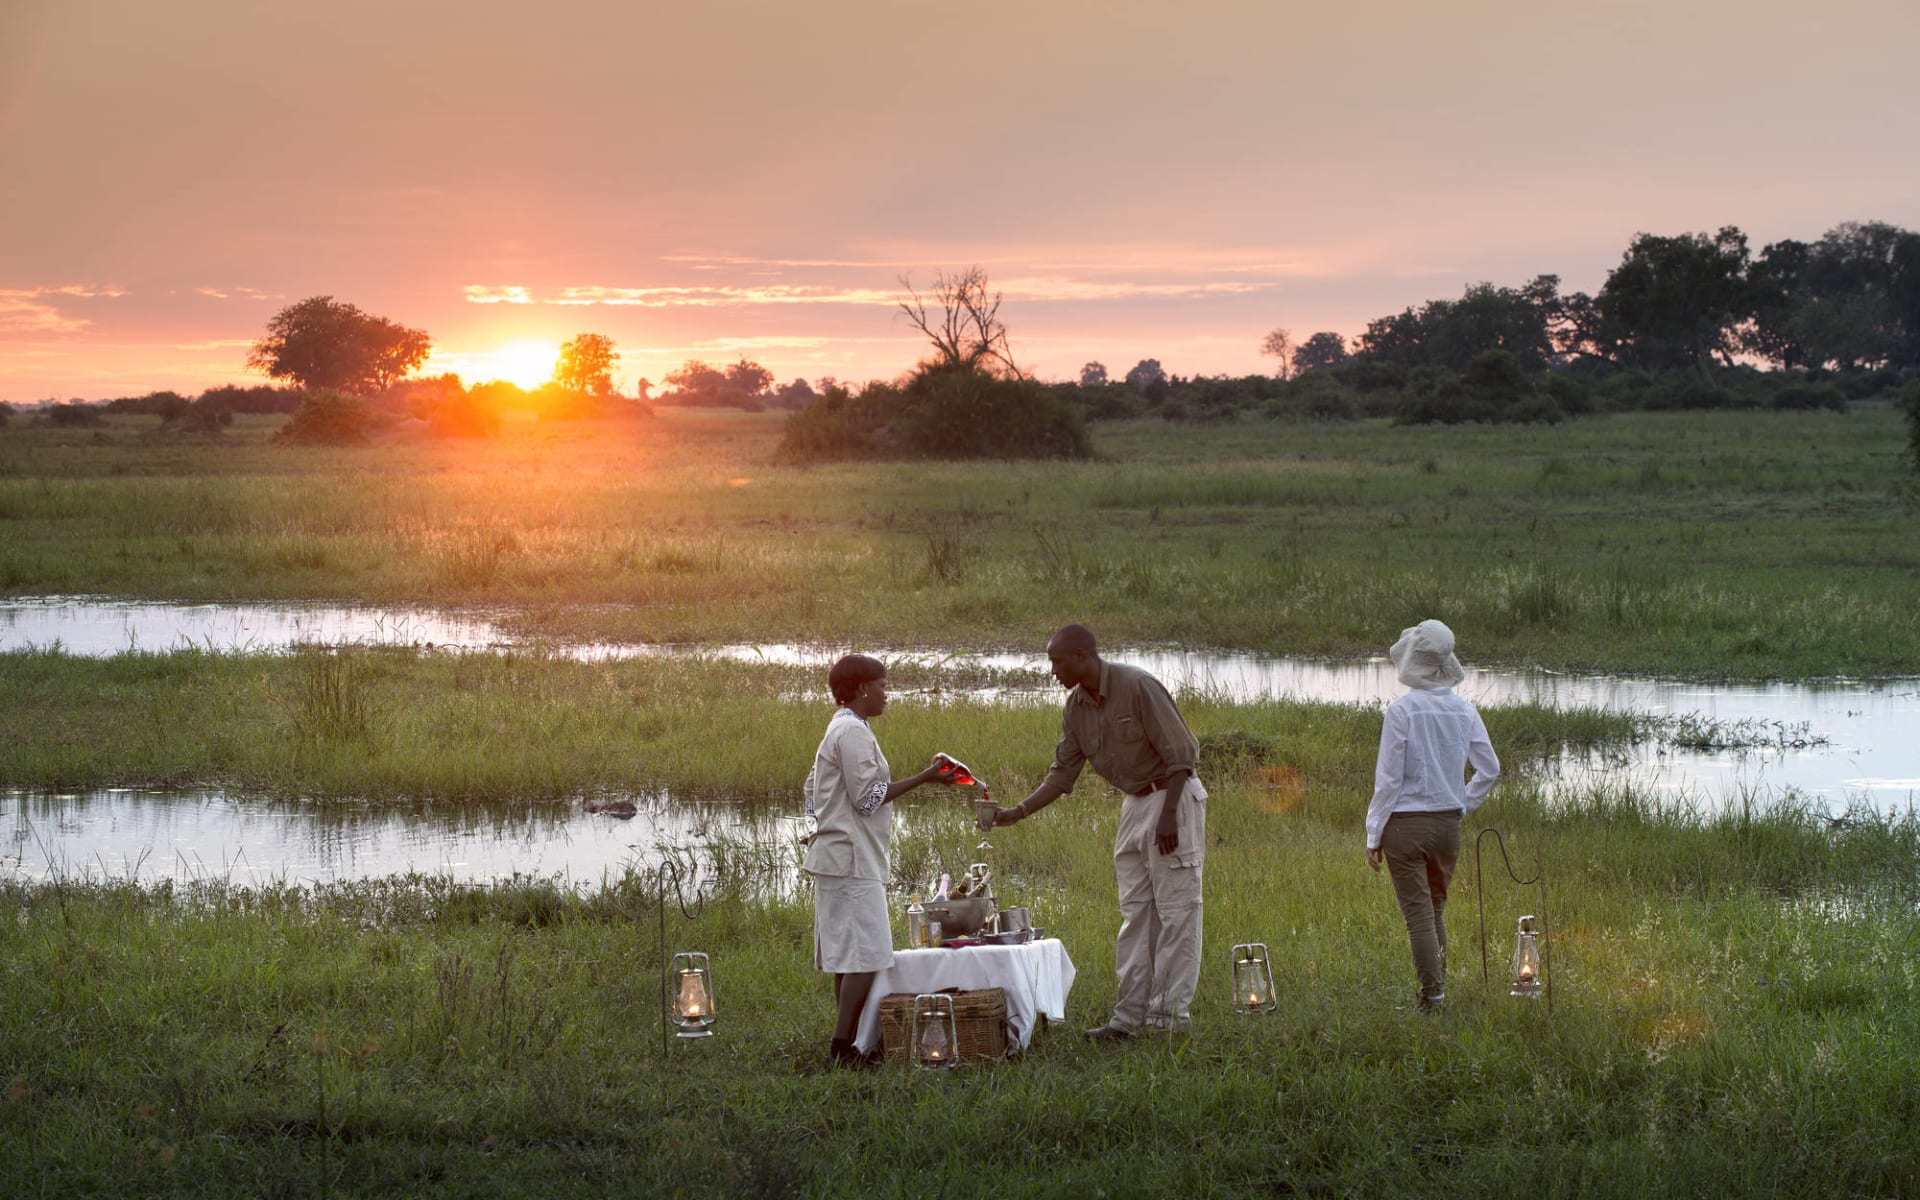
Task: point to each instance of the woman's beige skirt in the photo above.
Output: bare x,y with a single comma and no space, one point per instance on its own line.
850,930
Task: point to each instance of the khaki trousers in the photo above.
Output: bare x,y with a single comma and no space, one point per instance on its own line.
1157,954
1421,849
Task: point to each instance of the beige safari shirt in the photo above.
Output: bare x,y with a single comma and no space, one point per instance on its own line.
1132,734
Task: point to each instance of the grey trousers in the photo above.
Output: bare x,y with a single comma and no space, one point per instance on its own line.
1157,953
1421,849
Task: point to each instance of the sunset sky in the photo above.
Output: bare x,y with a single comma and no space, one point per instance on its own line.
706,180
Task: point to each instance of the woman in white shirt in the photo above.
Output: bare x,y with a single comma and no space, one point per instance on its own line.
847,793
1428,740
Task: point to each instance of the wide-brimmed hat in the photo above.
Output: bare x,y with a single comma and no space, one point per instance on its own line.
1424,656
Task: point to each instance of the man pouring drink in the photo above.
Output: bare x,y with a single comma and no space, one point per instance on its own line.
1122,720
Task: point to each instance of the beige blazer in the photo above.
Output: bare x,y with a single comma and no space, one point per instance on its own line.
846,793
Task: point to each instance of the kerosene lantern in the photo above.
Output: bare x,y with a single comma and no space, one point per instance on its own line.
936,1036
1252,979
1526,961
692,995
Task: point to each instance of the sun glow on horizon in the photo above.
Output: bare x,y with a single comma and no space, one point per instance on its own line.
525,363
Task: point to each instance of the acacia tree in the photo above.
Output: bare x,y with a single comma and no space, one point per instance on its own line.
1323,349
1674,302
1094,374
1279,344
586,364
967,333
1145,374
322,344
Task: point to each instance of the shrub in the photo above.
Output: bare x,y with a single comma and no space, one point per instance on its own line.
563,404
332,419
168,406
201,419
1316,395
1102,402
1686,389
75,415
838,424
958,413
1858,385
1806,397
1367,375
1910,399
6,413
1571,395
1489,389
262,399
939,413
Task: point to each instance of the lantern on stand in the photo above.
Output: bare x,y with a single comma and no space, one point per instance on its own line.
693,1011
936,1035
1526,961
1252,979
1530,979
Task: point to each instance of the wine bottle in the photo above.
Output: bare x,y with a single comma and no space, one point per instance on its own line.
953,771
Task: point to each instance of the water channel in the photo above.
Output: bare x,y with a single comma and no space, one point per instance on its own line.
1836,743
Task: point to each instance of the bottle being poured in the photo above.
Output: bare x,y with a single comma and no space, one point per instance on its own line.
955,772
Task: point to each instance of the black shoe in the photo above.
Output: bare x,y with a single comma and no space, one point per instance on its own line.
843,1054
1109,1033
1427,1005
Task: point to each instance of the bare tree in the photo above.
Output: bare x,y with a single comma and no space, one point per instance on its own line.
967,333
1279,343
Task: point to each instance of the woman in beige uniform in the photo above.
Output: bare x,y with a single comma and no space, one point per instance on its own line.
847,793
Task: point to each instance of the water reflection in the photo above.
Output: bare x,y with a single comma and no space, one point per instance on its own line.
217,835
94,627
1863,751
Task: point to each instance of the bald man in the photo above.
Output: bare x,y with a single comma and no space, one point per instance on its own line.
1122,721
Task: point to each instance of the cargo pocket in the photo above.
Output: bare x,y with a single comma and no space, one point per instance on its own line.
1192,850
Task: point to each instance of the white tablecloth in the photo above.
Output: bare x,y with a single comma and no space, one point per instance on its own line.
1036,978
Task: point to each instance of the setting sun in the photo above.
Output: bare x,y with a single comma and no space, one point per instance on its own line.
525,363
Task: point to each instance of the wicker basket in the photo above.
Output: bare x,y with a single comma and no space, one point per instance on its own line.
980,1018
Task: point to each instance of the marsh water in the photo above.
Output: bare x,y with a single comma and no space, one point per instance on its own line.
1835,743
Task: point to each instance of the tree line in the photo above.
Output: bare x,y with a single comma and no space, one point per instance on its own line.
1686,321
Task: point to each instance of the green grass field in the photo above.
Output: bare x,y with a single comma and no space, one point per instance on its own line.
1733,991
1701,544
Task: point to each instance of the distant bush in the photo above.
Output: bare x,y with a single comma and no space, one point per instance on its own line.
1317,395
261,400
561,404
1492,388
205,420
1910,400
1569,393
1809,396
838,424
333,419
1859,385
1686,390
1102,402
1366,375
168,406
75,415
6,413
449,409
939,413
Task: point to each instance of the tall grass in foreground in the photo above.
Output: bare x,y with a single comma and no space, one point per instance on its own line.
1732,1015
